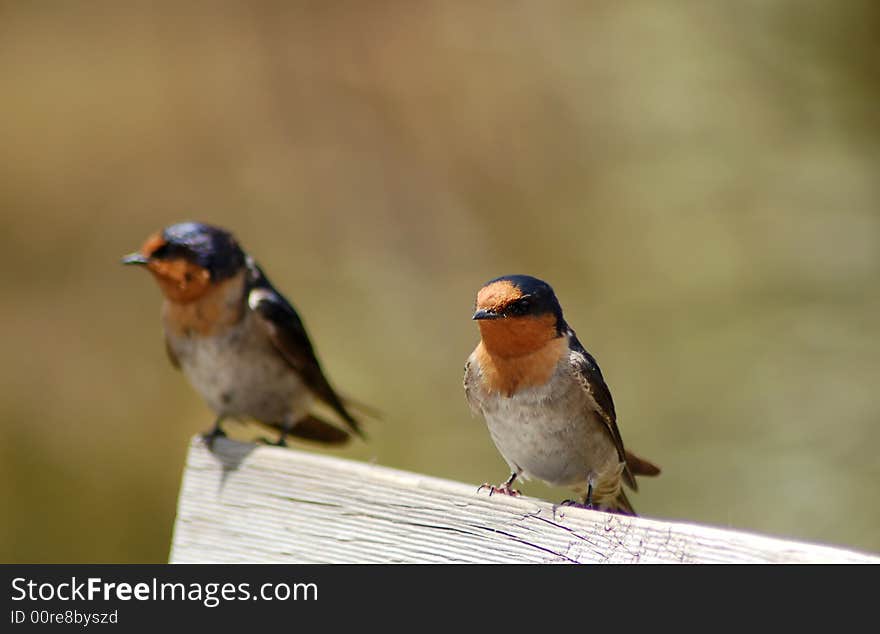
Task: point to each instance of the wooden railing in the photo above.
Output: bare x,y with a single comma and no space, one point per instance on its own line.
248,503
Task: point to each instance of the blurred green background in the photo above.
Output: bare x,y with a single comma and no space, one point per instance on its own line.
698,180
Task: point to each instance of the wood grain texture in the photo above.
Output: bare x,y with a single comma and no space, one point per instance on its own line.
248,503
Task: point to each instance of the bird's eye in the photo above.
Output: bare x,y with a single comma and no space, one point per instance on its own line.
161,252
520,307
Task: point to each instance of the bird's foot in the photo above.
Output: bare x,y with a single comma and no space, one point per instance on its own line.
211,436
501,489
280,442
576,504
588,499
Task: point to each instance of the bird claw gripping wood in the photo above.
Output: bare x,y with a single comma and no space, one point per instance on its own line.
501,489
576,504
212,435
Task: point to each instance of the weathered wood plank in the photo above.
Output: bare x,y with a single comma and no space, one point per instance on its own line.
247,503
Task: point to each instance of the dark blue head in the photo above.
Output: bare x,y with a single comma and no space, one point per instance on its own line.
205,246
519,315
515,296
189,259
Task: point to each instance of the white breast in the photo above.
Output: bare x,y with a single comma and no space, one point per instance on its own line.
241,374
550,432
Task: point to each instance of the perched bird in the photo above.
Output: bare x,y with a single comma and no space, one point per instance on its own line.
547,407
238,341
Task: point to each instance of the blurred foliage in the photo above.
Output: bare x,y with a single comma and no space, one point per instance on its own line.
698,180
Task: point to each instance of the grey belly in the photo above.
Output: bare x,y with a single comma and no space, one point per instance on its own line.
551,434
241,375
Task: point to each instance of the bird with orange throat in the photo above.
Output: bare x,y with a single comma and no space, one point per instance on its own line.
545,402
236,338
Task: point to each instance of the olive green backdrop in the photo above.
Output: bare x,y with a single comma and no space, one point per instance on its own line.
698,180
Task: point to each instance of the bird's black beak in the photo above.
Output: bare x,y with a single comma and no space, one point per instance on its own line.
487,314
135,258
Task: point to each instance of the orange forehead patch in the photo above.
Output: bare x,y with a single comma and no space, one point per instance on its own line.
153,244
497,295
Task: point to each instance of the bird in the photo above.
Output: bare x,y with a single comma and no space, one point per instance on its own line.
545,402
237,339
